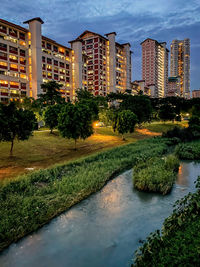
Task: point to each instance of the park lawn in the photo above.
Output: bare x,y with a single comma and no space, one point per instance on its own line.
160,127
43,150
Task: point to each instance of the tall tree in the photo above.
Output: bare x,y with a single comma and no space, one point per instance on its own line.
51,116
51,95
125,122
75,121
15,124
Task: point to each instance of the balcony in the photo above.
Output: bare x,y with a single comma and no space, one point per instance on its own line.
13,34
3,48
3,57
49,69
4,84
23,87
3,67
14,69
14,52
14,86
13,60
4,94
23,62
22,71
3,30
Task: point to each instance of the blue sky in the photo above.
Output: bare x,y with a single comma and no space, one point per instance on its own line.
133,20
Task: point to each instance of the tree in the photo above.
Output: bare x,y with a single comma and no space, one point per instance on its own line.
75,121
167,112
125,122
51,95
15,124
51,116
140,105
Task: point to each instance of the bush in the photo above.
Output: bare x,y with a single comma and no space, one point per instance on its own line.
185,134
156,175
178,243
188,151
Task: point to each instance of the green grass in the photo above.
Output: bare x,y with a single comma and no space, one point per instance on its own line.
189,151
28,202
160,127
156,174
179,242
44,149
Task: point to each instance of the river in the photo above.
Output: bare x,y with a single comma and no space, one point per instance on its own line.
103,230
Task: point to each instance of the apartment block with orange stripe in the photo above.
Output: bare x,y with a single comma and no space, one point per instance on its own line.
28,59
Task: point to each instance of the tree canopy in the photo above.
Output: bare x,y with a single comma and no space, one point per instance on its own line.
15,124
51,95
75,121
51,116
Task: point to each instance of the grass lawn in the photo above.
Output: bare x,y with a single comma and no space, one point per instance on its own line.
44,149
160,127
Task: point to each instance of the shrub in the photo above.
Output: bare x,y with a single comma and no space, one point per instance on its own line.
156,175
188,151
178,243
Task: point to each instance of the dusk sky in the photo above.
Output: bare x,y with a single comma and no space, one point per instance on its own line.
133,20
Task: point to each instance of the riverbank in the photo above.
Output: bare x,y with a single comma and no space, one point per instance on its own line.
179,241
32,200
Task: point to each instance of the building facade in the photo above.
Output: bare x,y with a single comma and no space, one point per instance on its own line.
138,86
155,66
180,64
196,93
109,63
173,86
28,59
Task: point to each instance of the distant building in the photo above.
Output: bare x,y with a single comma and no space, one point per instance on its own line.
196,93
180,64
139,85
155,66
173,88
109,63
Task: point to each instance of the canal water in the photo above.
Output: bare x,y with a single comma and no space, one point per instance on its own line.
103,230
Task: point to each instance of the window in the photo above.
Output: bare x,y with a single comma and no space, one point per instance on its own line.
49,61
13,32
55,48
55,76
2,29
22,36
67,53
55,62
22,53
3,55
67,66
3,47
89,41
48,46
62,65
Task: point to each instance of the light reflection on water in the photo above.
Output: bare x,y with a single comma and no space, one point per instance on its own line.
103,230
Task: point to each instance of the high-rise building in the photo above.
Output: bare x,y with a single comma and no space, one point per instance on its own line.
155,66
173,86
180,64
196,93
28,59
109,63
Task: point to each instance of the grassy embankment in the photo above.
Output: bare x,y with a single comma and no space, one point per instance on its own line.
178,244
44,149
28,202
179,241
156,174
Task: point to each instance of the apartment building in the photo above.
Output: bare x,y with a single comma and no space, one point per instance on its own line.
196,93
139,86
109,63
180,64
28,59
155,66
173,88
